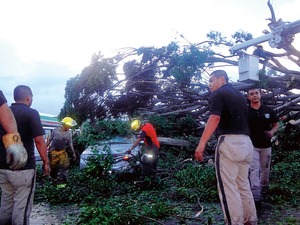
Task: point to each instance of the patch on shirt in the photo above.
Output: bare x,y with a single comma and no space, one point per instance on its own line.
267,115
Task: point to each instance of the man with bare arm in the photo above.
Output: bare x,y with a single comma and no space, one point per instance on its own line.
229,116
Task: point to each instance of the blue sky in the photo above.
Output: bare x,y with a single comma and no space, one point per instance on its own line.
45,43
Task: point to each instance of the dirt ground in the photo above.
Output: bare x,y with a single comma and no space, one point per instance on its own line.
44,214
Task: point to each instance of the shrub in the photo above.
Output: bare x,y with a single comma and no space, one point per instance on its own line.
174,125
102,130
197,180
288,141
285,178
127,209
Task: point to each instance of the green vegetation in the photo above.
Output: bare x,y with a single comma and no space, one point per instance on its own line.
286,166
102,130
182,189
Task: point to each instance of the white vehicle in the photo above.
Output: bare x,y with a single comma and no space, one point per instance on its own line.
117,147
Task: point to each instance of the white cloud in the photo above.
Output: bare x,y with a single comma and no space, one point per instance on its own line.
46,80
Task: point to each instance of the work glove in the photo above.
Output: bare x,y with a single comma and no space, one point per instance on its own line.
16,154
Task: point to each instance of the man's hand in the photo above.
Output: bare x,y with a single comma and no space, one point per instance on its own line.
74,156
199,152
46,169
269,134
199,155
128,151
16,154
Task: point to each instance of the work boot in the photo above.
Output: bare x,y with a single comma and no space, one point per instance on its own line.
54,181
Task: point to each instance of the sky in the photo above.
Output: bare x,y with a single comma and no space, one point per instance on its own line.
44,43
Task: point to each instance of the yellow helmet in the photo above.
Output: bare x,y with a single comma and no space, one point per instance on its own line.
69,121
135,125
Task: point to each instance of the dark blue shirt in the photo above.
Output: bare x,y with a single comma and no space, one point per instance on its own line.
29,126
231,106
260,121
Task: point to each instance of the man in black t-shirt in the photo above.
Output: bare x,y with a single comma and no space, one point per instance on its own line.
13,155
18,186
228,115
263,123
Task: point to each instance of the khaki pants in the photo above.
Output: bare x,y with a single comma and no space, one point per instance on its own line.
17,196
260,172
59,162
232,159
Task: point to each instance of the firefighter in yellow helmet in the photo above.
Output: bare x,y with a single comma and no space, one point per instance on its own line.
59,140
135,125
150,151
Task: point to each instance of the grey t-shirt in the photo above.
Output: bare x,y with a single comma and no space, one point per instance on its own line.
60,139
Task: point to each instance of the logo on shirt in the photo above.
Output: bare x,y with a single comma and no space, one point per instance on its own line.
267,115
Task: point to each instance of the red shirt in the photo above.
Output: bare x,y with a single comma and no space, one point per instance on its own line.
149,135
